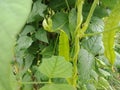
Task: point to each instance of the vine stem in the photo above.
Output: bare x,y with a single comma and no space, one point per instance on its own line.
34,82
98,33
79,33
79,5
85,25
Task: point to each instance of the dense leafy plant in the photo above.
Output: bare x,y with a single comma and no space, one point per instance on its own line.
13,16
65,44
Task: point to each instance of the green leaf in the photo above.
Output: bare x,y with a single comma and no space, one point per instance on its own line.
104,83
104,73
94,74
60,81
28,59
58,87
91,87
100,12
57,22
84,87
117,44
56,67
24,42
40,77
37,11
72,21
89,43
13,15
34,47
109,3
85,62
27,78
60,21
117,63
48,51
28,29
60,4
96,25
64,45
109,33
41,35
100,62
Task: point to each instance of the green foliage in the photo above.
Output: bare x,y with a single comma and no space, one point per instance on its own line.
53,67
58,87
26,42
64,45
41,35
37,11
117,40
85,64
12,18
104,83
72,21
109,3
91,42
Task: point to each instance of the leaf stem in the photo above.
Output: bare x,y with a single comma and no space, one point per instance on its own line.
66,1
34,82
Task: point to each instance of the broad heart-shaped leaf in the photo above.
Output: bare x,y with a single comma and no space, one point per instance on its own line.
96,25
109,33
13,15
56,67
64,45
41,35
95,41
85,62
57,87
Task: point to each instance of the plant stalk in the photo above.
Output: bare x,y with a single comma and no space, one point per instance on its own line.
85,25
79,5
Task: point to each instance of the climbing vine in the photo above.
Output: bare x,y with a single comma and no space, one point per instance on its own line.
63,44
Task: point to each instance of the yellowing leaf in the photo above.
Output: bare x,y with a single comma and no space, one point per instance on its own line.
64,45
109,33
